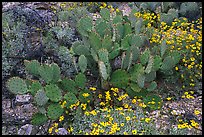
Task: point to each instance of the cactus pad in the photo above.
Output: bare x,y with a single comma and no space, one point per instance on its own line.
40,98
68,85
38,119
81,50
46,73
54,111
149,65
55,72
163,47
168,63
82,63
152,86
70,98
32,67
83,98
80,80
145,57
17,85
53,92
119,78
85,25
157,63
103,70
35,87
125,42
141,80
95,41
105,14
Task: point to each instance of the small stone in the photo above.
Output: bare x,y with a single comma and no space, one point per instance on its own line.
6,104
62,131
23,98
25,130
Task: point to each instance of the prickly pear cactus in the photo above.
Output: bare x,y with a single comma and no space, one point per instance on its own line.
101,27
125,42
82,63
39,119
145,57
32,67
80,80
54,111
105,14
46,73
127,59
168,63
84,26
70,98
55,72
149,65
95,41
157,63
85,96
53,92
35,86
81,50
152,86
68,85
104,57
40,98
119,78
103,70
17,85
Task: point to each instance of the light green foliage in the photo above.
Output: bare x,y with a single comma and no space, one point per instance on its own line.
54,111
101,27
53,92
82,63
95,41
39,119
80,49
84,26
40,98
17,85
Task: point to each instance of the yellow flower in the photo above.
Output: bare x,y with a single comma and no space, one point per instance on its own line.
100,95
127,118
134,132
56,130
125,133
196,112
176,68
110,119
61,118
125,105
122,124
83,106
147,120
92,88
85,94
117,10
86,113
55,124
102,131
134,101
168,98
50,130
102,103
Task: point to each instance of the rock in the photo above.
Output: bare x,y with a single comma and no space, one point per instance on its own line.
62,131
25,130
23,98
6,104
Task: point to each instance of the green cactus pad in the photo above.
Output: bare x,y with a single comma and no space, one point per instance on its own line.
135,87
107,43
149,65
85,25
125,42
119,78
54,111
39,119
95,41
150,76
53,92
136,41
168,63
176,56
152,86
119,30
141,80
55,72
40,98
127,29
145,57
94,54
135,71
105,14
117,19
103,55
127,60
138,26
17,85
35,87
163,47
82,63
81,50
101,28
115,52
136,52
32,67
68,85
103,70
157,63
46,73
85,99
42,110
80,80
